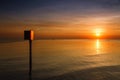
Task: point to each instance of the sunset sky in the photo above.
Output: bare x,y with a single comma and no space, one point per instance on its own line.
60,18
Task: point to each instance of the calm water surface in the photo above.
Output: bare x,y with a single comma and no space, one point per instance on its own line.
56,57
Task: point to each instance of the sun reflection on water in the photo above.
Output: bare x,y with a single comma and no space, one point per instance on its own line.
97,46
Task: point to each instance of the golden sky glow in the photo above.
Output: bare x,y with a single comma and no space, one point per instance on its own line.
66,19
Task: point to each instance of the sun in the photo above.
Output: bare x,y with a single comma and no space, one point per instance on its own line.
98,32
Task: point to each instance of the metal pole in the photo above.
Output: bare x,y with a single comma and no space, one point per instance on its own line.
30,59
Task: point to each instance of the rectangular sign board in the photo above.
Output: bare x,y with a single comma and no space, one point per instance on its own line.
28,35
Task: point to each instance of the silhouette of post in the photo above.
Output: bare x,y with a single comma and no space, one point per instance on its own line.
30,57
29,35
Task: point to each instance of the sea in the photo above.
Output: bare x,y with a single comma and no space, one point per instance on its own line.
69,59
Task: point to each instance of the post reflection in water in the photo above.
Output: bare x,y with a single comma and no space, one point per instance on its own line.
97,46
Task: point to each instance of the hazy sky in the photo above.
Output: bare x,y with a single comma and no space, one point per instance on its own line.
59,18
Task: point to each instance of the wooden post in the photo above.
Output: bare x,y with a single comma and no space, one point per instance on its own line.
30,57
29,35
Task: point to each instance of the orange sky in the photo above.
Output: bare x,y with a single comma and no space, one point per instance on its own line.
61,19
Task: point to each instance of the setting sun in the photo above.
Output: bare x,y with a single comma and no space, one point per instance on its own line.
98,32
